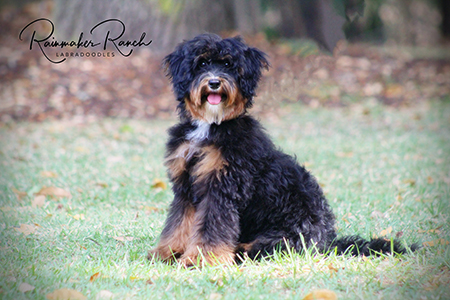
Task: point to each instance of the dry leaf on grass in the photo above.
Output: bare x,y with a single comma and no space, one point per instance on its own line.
386,231
53,191
65,294
25,287
101,184
151,209
435,230
435,243
48,174
332,269
19,194
410,181
158,183
38,201
82,149
94,277
123,238
78,217
344,154
321,295
26,229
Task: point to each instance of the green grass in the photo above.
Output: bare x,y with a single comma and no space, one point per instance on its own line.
379,168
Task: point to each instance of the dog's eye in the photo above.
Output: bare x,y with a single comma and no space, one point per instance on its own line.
226,63
203,63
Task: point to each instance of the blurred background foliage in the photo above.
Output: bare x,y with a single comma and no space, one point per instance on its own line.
397,53
405,22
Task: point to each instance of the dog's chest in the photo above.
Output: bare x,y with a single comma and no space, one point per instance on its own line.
195,158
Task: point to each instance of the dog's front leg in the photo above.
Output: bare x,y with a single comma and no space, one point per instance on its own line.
177,230
215,232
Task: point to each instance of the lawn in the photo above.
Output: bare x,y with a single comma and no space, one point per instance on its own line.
81,203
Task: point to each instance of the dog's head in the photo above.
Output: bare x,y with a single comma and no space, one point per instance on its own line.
213,78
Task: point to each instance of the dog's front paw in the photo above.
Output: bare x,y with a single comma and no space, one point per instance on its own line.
163,254
200,257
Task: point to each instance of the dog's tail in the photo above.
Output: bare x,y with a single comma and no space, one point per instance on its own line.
356,245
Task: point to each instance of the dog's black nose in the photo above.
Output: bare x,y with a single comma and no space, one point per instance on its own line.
214,84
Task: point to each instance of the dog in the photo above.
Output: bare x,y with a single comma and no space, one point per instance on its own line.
235,193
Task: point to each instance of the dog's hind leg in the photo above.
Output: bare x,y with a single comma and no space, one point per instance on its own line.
264,245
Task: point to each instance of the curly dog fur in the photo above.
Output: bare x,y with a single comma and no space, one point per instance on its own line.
235,192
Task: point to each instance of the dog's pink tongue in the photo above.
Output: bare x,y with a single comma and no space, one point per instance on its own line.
214,99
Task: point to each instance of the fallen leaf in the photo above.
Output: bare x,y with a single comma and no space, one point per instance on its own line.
332,268
150,209
102,184
123,238
386,231
65,294
410,181
344,154
321,295
94,277
26,229
104,294
82,149
430,179
136,158
54,192
436,230
38,201
48,174
19,194
393,91
78,217
25,287
158,183
435,243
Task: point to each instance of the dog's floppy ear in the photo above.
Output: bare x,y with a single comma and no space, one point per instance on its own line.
178,69
171,63
254,60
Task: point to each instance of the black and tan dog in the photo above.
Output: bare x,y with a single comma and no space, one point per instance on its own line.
234,191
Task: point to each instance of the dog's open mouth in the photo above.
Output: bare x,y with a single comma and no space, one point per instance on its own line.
214,98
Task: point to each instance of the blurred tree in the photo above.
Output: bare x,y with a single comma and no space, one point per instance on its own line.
445,9
167,22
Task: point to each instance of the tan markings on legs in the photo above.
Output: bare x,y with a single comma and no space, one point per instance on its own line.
206,254
177,242
211,163
245,247
198,253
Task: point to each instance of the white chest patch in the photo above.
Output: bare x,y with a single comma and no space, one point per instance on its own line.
200,133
